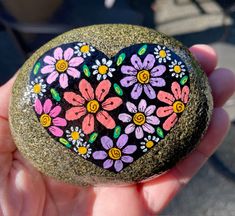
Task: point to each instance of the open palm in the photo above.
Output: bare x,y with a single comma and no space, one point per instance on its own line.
25,191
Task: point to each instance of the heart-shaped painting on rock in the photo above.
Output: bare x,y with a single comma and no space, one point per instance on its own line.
109,111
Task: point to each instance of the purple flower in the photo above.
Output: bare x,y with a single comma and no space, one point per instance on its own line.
143,76
115,155
142,119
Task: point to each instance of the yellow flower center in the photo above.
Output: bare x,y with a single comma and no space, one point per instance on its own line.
115,153
93,106
143,76
103,69
82,150
178,107
37,88
61,65
139,118
85,49
177,69
75,135
162,53
45,120
149,144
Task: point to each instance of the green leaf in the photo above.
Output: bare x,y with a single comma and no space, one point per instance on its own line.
160,132
55,95
118,89
142,49
121,58
184,80
36,68
65,142
93,137
86,70
117,132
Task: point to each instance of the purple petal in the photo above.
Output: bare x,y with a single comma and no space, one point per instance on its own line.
127,159
129,70
142,105
159,82
150,110
158,70
124,117
136,62
149,91
56,131
136,91
99,155
139,133
118,165
130,149
122,140
49,60
47,106
73,72
48,69
148,128
128,81
38,106
131,107
154,120
59,122
130,128
148,62
68,53
107,143
108,163
52,77
64,80
58,53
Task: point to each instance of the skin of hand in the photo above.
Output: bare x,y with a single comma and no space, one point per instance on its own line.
24,191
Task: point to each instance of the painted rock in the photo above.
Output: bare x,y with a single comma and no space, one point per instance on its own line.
109,104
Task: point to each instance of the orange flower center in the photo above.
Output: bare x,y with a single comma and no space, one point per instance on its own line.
85,49
178,107
143,76
139,118
93,106
61,65
45,120
115,153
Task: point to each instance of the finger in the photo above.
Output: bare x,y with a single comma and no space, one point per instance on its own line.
5,93
158,192
222,82
206,56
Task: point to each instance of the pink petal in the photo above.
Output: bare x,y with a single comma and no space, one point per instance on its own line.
150,110
59,122
170,122
88,124
105,119
175,88
58,53
55,111
64,80
48,69
47,106
108,163
38,106
158,70
130,128
118,165
139,133
164,111
166,97
102,90
76,61
74,98
142,105
56,131
148,62
68,53
52,77
73,72
124,117
148,128
49,60
136,62
75,113
185,94
111,103
86,90
129,70
131,107
153,120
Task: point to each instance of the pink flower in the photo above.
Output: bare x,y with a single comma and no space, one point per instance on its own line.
48,117
177,102
92,105
61,65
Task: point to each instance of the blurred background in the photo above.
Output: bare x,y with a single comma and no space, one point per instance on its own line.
27,24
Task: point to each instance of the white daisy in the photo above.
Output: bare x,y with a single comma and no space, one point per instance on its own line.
83,149
177,68
148,143
162,54
83,49
102,69
75,135
37,88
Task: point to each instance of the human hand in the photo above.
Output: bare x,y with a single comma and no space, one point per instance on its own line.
26,192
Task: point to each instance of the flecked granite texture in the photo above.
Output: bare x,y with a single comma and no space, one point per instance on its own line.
56,161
